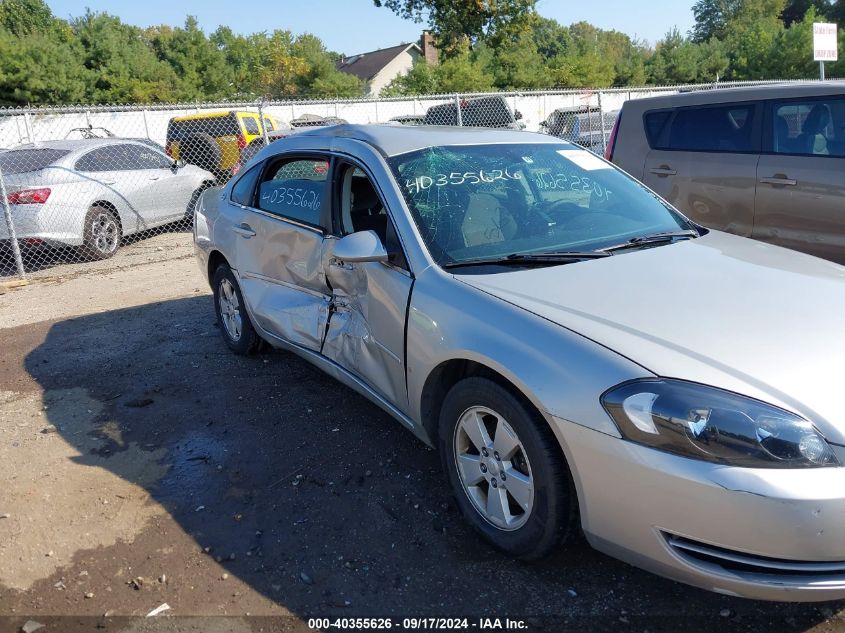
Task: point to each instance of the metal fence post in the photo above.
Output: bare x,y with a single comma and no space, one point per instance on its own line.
603,132
10,227
261,118
146,124
458,118
28,125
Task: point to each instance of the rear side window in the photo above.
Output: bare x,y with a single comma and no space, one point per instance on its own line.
811,127
21,161
243,189
268,124
708,129
215,126
295,189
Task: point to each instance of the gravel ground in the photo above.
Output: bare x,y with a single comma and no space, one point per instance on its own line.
142,464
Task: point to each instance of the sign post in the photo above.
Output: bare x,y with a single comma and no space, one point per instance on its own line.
825,45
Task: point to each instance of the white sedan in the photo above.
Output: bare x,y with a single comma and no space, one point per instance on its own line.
93,192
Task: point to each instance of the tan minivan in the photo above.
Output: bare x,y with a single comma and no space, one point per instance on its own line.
766,162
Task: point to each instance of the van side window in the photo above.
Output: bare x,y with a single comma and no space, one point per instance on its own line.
708,129
812,127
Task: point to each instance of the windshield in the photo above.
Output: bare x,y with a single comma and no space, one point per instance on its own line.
488,201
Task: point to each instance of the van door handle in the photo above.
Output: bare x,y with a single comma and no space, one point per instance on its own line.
244,230
663,171
779,180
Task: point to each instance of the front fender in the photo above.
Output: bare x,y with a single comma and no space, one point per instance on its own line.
562,373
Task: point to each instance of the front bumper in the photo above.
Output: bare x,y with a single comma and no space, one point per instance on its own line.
768,534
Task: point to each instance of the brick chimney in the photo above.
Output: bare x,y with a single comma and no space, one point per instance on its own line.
428,48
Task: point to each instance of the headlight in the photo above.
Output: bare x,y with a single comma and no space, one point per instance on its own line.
715,425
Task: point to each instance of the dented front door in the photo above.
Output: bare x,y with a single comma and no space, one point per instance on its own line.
366,329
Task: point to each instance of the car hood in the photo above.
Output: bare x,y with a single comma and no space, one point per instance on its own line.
720,310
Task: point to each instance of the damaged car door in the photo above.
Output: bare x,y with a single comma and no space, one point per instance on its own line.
370,287
280,239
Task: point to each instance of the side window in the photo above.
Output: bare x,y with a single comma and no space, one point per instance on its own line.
141,157
707,129
361,209
243,189
295,189
656,125
251,125
809,128
96,160
268,124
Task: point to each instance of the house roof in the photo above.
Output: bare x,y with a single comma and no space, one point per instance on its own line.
367,65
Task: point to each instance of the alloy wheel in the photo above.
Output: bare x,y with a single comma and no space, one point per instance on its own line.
230,310
493,468
104,233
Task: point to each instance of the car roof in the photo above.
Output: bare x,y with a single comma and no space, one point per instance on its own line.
745,93
392,140
209,115
72,145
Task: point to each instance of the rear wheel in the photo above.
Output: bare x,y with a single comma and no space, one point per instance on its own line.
509,476
234,321
102,233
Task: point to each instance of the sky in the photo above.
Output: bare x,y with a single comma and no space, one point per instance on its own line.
357,26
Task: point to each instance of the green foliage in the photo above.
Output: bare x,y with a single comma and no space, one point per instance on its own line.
25,17
461,73
455,21
488,44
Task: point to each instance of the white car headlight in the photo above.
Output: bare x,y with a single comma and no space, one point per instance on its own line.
711,424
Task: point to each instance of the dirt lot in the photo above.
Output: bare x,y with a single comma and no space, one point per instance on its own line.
141,463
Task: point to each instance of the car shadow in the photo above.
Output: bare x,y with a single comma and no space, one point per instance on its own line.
314,497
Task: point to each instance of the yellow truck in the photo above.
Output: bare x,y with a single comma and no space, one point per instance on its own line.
214,140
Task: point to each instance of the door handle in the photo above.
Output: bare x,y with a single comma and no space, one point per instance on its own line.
109,182
244,230
663,171
779,180
154,177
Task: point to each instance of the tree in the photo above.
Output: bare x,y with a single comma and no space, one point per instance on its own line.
453,21
750,38
200,65
712,17
41,69
795,10
25,17
124,66
675,61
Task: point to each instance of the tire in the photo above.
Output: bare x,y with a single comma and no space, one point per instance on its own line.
235,325
101,234
201,150
540,506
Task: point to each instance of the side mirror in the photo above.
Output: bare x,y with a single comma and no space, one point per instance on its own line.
363,246
174,167
517,115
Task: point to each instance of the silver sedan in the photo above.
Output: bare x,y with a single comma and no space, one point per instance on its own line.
580,353
94,192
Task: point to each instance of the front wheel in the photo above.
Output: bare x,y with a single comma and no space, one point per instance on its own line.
507,470
234,321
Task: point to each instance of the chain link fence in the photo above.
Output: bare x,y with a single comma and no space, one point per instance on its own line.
84,184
